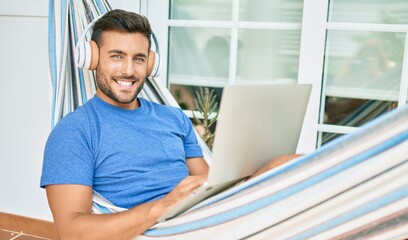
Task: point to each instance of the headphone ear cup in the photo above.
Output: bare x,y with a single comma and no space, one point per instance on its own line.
87,55
93,56
153,64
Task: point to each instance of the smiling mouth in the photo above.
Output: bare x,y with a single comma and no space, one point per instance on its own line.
124,83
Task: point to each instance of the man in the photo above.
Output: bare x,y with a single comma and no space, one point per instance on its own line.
137,154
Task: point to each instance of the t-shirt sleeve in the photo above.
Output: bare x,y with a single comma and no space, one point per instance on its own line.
67,156
191,146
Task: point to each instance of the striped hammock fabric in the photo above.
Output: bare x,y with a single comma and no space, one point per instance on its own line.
355,187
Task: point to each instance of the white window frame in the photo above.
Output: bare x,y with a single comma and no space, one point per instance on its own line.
312,45
369,94
311,60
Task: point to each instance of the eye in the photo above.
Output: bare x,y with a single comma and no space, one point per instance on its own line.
140,59
116,56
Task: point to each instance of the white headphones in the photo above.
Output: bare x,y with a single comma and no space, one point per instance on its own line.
87,53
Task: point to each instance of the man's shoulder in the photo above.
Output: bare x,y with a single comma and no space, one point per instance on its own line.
76,117
75,120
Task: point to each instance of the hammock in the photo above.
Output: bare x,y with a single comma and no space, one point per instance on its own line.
353,187
356,186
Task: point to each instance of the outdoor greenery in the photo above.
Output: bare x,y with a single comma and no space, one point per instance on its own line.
206,104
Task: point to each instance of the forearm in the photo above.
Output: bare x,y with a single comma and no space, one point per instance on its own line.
275,163
71,208
124,225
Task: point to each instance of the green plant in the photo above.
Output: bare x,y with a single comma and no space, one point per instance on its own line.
206,104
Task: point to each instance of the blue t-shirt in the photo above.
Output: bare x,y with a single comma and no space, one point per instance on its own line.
128,156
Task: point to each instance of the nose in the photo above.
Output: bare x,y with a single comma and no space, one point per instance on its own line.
128,67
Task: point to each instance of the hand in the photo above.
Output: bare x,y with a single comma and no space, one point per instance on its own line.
274,163
184,189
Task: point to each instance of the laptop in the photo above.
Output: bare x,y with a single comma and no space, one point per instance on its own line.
256,123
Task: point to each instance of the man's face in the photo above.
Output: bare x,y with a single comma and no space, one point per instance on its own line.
121,71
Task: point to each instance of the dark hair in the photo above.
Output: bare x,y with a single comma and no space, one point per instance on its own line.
123,21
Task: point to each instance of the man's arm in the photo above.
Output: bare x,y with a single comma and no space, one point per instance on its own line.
71,206
274,163
197,166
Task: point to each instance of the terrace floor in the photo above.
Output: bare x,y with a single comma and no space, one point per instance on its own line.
25,228
12,235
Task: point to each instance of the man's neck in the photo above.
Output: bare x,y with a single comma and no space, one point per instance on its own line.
129,106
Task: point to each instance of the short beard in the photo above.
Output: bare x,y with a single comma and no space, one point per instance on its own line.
104,87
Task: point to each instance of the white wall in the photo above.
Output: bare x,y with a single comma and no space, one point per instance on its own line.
25,103
24,106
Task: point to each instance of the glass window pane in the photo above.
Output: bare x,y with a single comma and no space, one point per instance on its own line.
199,56
271,10
268,56
373,11
201,10
327,137
354,111
367,62
362,75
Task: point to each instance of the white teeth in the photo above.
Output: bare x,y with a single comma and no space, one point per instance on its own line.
123,83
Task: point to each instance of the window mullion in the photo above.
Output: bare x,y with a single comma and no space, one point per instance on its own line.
269,25
158,17
313,41
232,72
199,23
372,27
404,77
